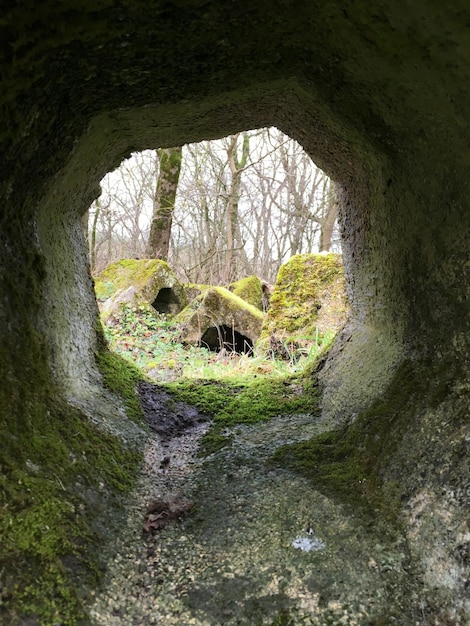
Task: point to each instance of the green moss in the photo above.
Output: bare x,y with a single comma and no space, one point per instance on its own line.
349,462
249,289
305,284
328,460
213,441
248,403
45,516
208,396
121,377
62,481
232,301
121,274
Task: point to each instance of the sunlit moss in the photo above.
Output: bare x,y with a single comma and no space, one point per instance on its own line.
309,287
232,403
249,289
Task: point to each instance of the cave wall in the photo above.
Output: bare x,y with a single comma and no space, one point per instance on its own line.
376,94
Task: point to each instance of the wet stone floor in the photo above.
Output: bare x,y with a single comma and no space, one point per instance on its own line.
259,546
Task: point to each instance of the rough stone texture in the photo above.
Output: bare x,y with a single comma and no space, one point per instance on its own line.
203,321
308,299
143,281
377,94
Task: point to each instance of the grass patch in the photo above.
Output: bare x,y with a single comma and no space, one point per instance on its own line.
249,402
150,341
232,389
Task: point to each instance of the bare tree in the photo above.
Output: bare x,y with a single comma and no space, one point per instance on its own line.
235,244
158,244
198,241
245,204
328,215
118,220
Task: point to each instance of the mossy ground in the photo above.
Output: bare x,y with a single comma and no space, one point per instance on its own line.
350,462
231,403
61,478
249,402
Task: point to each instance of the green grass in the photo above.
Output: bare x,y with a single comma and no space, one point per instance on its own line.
151,342
231,388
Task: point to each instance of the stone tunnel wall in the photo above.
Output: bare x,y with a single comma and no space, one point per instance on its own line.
376,95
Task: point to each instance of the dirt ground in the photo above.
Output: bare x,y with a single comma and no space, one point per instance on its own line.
166,416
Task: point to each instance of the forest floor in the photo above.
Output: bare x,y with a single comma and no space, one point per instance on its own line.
150,341
216,534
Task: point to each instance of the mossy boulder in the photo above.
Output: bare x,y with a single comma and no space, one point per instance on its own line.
308,300
219,319
193,290
251,290
137,282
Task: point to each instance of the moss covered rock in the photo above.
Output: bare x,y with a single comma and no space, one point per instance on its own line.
145,281
309,299
249,289
193,290
219,319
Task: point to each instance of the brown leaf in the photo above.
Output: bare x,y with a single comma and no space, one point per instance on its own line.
161,512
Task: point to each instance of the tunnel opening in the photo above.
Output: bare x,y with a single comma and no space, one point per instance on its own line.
227,338
280,205
166,302
335,87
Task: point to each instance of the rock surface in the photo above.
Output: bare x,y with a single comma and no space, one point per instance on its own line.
308,300
134,282
219,320
238,556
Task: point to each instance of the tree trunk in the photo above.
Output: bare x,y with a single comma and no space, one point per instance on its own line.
329,219
158,244
93,235
232,225
85,220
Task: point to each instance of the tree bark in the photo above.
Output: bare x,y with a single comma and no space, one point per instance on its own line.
329,218
158,244
232,223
